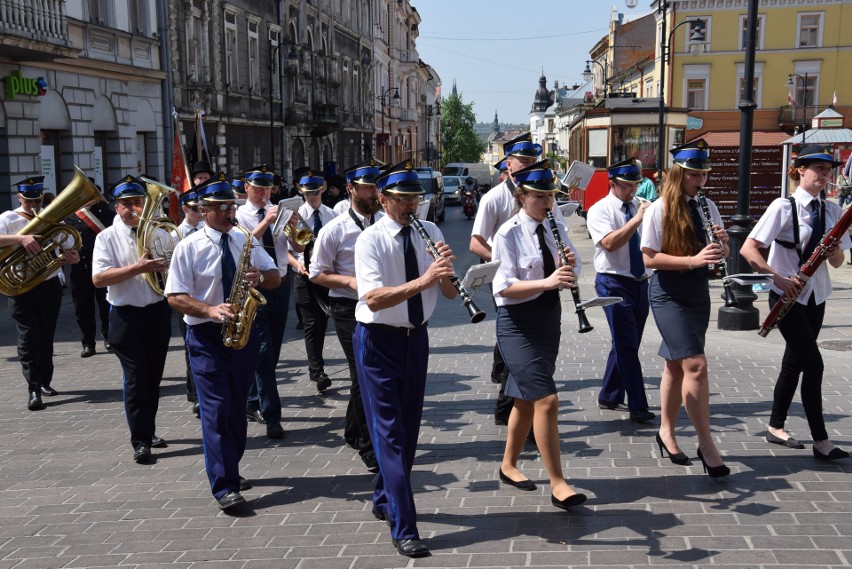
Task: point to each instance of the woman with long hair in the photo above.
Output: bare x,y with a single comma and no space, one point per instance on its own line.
792,235
676,246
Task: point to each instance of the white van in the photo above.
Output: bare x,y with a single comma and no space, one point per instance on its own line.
480,171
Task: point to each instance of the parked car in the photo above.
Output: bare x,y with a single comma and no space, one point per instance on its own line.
452,189
433,185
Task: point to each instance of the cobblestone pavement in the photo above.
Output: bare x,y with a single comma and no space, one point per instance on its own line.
70,495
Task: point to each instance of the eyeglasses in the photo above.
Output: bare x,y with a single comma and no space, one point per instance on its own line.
406,199
33,200
222,206
311,192
193,208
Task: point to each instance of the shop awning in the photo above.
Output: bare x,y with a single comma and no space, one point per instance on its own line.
822,136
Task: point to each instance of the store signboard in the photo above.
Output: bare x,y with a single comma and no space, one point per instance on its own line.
18,85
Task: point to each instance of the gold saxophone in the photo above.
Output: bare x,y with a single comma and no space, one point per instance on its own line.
156,234
244,299
21,271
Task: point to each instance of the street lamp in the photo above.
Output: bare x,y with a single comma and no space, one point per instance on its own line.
430,112
588,75
790,85
386,95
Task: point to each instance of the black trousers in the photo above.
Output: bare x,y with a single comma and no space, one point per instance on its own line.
800,328
140,338
315,321
355,430
88,298
35,313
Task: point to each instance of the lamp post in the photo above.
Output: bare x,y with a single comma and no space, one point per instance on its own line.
386,95
588,75
430,112
790,86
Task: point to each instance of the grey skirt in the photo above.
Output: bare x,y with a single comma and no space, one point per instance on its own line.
680,302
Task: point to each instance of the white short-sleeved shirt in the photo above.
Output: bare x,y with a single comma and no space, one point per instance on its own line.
334,250
606,216
652,223
196,267
185,228
12,221
247,216
517,248
777,223
341,207
379,262
495,209
115,247
307,213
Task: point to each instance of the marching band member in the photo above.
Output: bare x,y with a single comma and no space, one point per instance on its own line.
495,209
192,222
674,244
140,319
398,283
200,281
310,298
36,311
784,230
615,224
258,215
333,267
529,316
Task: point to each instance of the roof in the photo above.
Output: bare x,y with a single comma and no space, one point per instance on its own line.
822,136
759,138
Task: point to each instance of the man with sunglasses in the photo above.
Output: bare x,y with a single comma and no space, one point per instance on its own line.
36,311
311,299
615,224
199,285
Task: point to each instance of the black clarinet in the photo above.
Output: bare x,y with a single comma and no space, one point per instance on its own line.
730,299
476,315
575,290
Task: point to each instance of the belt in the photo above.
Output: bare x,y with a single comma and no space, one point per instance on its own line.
342,300
400,330
641,279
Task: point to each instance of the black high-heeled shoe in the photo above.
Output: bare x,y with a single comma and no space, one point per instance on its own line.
679,458
713,471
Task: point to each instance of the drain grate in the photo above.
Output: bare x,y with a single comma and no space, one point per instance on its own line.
837,345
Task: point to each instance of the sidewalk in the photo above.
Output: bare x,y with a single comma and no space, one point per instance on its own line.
72,496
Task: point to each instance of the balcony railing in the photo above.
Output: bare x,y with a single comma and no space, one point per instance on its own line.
790,115
408,55
26,19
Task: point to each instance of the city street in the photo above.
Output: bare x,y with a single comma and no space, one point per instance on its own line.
71,495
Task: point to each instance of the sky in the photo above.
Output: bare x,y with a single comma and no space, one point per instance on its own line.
496,50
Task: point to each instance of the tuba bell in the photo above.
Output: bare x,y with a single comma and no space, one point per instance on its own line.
156,235
21,271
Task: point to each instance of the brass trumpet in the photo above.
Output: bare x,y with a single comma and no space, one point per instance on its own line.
301,234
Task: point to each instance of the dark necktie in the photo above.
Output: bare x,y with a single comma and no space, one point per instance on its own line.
268,243
697,223
550,297
817,227
415,303
229,268
317,222
637,266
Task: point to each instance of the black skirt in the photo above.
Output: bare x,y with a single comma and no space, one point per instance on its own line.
680,301
528,336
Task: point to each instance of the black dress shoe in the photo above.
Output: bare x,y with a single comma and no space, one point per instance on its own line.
525,485
157,442
88,352
48,390
230,500
411,547
323,381
196,409
379,515
835,454
35,403
255,416
245,484
612,406
274,431
569,502
641,416
789,442
107,346
369,460
142,454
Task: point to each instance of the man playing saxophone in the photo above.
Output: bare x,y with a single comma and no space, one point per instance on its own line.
35,312
140,319
203,275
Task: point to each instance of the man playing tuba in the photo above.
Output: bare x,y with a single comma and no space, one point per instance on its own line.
35,311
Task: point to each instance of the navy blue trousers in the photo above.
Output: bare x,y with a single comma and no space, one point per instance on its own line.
222,378
392,373
626,321
269,327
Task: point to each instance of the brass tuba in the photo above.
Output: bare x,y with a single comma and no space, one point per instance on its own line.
156,234
21,271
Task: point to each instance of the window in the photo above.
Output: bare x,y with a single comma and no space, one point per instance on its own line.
635,142
597,148
810,30
805,89
139,20
101,12
273,64
649,88
696,93
231,74
197,63
758,74
744,29
253,58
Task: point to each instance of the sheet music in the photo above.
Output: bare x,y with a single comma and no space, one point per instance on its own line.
423,209
284,215
478,275
600,301
569,208
579,175
291,203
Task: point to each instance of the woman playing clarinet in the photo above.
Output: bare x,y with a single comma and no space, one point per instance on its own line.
529,315
676,245
792,228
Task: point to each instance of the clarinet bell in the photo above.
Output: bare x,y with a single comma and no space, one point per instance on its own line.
476,315
584,322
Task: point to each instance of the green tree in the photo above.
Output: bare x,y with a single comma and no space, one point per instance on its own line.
459,141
